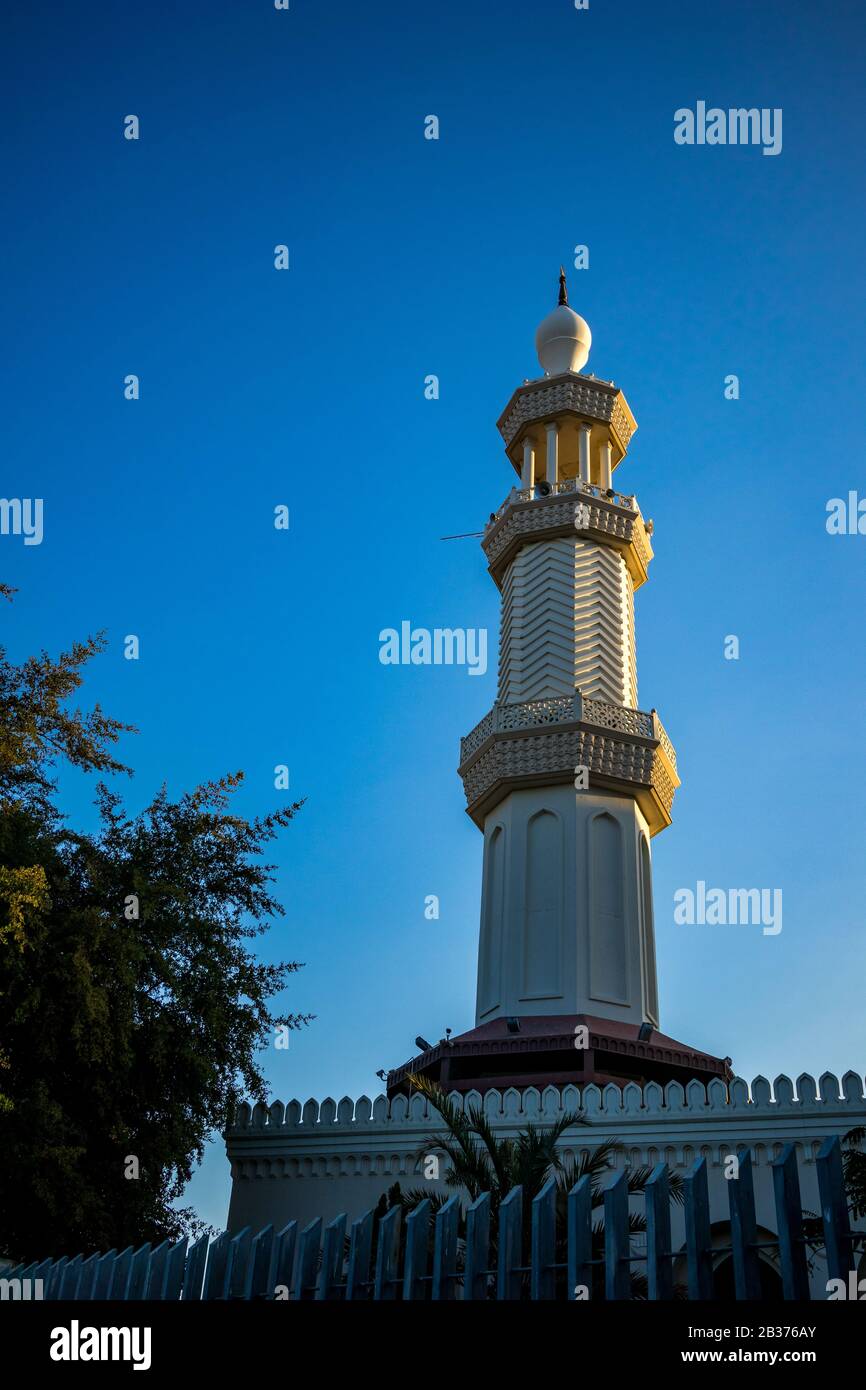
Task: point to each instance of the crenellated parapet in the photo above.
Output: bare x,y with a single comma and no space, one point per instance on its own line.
370,1139
802,1098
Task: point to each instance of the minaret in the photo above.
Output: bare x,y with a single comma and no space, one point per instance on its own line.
566,776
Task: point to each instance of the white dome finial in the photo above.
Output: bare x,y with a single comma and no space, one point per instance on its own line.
563,339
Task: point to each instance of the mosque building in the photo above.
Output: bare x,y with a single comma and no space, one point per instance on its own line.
568,780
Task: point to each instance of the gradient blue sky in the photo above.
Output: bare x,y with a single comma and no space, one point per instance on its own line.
412,257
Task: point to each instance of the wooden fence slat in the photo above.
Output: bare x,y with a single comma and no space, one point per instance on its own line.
137,1280
509,1280
84,1292
543,1242
308,1260
193,1273
235,1278
283,1259
48,1276
67,1278
29,1281
388,1256
102,1277
360,1248
744,1230
617,1278
331,1277
237,1262
156,1272
445,1250
29,1271
838,1246
67,1283
578,1209
417,1238
789,1221
698,1238
174,1270
55,1277
475,1278
579,1214
68,1286
659,1261
41,1272
259,1265
215,1271
119,1274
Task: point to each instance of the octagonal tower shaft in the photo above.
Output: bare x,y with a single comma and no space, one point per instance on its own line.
566,777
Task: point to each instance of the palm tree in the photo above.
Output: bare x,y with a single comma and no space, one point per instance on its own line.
854,1172
481,1162
854,1178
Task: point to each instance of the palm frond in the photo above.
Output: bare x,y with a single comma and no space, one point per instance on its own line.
465,1155
594,1164
456,1121
639,1176
553,1133
497,1149
470,1167
414,1196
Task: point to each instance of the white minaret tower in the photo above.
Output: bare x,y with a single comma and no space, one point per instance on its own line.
566,777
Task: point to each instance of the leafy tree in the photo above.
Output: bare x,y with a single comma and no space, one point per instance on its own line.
131,1005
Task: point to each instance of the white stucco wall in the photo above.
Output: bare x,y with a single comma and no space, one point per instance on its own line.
298,1163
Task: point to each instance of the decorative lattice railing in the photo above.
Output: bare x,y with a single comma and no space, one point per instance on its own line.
567,709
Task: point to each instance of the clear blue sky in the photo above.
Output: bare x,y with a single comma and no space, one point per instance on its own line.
411,257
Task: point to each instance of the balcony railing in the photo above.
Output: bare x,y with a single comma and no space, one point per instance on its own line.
574,485
567,709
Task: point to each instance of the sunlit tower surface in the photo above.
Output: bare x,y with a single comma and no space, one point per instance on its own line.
566,777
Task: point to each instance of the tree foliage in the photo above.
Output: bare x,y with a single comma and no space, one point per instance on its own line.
132,1006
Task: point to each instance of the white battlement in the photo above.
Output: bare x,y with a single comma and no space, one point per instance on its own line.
317,1159
785,1099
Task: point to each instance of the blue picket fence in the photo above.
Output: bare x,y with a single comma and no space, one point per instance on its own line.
318,1263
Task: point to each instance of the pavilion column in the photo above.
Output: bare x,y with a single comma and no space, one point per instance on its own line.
552,429
583,442
606,467
527,477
